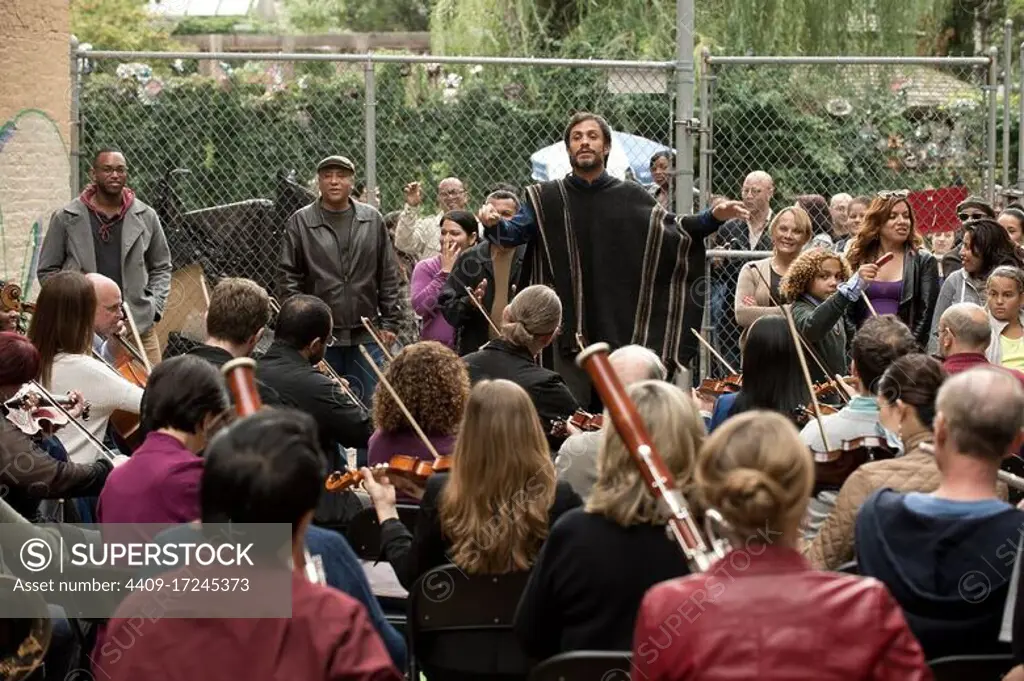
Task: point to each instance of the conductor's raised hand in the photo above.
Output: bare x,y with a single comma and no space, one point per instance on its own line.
730,210
488,215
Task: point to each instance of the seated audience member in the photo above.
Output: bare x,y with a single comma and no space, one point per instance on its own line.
28,474
109,321
235,322
530,324
185,401
877,343
266,468
964,335
906,411
599,560
492,273
577,457
458,232
62,330
489,515
935,552
771,374
301,338
762,612
432,383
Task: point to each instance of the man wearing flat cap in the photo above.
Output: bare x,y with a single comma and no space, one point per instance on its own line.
338,250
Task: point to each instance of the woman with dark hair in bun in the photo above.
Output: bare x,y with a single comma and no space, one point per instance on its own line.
762,611
458,232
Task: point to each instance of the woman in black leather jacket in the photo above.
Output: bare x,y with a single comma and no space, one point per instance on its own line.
908,284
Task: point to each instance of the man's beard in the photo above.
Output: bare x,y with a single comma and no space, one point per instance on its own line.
595,161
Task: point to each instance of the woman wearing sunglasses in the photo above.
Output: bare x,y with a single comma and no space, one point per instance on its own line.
908,284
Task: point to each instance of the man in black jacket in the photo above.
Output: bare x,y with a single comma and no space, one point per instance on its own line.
488,269
302,336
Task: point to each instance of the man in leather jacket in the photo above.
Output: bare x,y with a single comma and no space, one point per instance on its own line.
338,250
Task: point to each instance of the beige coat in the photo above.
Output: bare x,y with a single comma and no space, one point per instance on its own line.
749,284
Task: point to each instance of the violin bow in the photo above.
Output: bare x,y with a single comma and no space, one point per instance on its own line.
325,367
479,306
803,341
85,431
885,257
368,325
807,374
137,353
581,342
398,400
713,351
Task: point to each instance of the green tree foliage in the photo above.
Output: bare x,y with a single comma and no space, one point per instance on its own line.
119,25
319,16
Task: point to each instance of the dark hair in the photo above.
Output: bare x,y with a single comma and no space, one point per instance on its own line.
239,308
991,243
772,377
666,154
302,320
181,392
1014,211
817,209
580,117
62,322
265,468
464,219
19,359
104,150
915,379
503,195
877,344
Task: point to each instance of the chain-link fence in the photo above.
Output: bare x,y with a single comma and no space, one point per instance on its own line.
827,126
224,146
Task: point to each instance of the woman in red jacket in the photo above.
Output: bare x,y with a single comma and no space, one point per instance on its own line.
762,612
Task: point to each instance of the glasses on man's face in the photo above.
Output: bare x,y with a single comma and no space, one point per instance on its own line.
752,191
452,193
896,194
970,215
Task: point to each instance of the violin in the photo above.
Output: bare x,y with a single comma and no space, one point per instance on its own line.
27,411
827,389
832,468
580,420
408,468
803,414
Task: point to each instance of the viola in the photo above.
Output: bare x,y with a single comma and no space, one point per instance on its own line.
409,468
832,468
27,411
714,387
580,420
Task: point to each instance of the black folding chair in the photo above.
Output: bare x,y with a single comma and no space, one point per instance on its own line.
446,601
971,667
363,533
584,665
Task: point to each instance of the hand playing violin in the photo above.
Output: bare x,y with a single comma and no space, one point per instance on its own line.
382,494
78,406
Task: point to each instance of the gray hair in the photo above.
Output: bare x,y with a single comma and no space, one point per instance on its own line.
969,323
636,363
983,411
535,312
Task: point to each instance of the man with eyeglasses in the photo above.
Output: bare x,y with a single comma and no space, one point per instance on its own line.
109,231
421,237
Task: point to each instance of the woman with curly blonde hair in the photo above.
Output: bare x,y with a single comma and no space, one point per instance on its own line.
821,291
906,286
593,571
433,384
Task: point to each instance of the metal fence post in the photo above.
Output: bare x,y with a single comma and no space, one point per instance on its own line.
684,107
1007,87
993,98
74,130
1020,117
705,142
370,125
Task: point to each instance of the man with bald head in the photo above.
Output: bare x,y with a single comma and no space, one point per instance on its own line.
964,334
947,557
577,458
839,209
109,319
421,237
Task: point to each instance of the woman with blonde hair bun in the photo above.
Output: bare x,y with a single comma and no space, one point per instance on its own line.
593,571
762,611
529,324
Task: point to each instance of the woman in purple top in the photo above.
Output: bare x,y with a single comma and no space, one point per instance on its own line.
433,384
458,232
908,284
184,403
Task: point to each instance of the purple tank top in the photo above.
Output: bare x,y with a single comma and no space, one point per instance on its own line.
885,296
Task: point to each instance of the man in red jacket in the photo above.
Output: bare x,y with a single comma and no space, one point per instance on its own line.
964,336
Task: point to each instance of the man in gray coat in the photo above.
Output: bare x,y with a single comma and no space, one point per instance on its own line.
109,231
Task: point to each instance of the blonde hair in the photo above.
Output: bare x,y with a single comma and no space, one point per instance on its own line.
677,431
494,508
535,312
757,473
800,218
